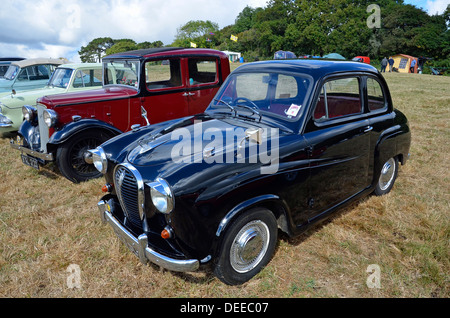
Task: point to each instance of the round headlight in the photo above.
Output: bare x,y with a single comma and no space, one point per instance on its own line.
99,159
162,196
28,112
50,117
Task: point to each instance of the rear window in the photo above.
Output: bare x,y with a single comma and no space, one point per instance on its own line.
375,96
202,71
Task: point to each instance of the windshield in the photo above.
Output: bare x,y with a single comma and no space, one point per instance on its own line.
122,72
60,77
281,96
11,72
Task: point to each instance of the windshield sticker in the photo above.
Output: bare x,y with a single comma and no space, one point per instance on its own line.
293,110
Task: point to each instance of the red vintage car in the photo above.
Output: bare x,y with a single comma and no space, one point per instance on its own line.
140,87
362,59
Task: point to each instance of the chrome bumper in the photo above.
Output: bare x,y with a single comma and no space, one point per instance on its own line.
139,246
28,151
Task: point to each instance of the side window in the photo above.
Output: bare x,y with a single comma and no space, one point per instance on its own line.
87,78
202,71
23,75
338,98
43,72
78,80
162,74
375,96
34,73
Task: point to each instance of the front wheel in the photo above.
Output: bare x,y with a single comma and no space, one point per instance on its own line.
247,247
387,178
73,159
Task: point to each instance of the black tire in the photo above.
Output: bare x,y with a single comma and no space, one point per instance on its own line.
248,245
70,156
388,175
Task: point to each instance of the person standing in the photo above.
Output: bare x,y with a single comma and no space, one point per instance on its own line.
412,66
391,64
384,63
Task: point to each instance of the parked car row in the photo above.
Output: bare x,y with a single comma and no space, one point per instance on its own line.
206,167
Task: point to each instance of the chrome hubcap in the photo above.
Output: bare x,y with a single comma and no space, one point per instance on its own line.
387,174
249,246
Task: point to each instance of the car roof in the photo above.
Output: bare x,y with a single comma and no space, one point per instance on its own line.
34,61
11,59
314,67
80,65
161,51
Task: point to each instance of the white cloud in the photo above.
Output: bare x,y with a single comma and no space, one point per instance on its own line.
437,6
53,28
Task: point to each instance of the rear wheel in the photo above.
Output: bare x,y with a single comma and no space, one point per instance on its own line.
73,159
247,247
387,178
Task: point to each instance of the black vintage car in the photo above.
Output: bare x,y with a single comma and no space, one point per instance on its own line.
282,145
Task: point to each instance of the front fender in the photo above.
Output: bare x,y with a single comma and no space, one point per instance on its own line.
62,135
29,133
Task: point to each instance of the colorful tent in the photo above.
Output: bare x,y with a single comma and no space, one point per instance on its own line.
403,61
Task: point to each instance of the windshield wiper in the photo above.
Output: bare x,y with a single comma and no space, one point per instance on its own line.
226,104
253,110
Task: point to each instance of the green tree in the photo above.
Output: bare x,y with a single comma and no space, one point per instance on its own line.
195,31
122,45
148,45
95,49
246,19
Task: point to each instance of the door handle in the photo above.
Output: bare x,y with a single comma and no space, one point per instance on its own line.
368,128
188,94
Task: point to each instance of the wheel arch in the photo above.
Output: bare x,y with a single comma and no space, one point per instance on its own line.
73,128
271,202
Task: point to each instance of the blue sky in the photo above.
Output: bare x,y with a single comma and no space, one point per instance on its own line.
55,28
431,6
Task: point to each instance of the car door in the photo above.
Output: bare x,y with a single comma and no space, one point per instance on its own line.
203,82
165,97
338,138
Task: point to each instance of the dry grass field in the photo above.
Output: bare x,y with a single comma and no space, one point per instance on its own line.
47,223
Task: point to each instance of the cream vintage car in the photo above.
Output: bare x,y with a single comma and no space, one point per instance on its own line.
66,78
29,74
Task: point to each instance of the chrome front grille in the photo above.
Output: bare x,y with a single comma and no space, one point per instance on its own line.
43,129
130,191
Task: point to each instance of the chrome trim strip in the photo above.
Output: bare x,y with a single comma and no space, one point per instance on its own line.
140,245
28,151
